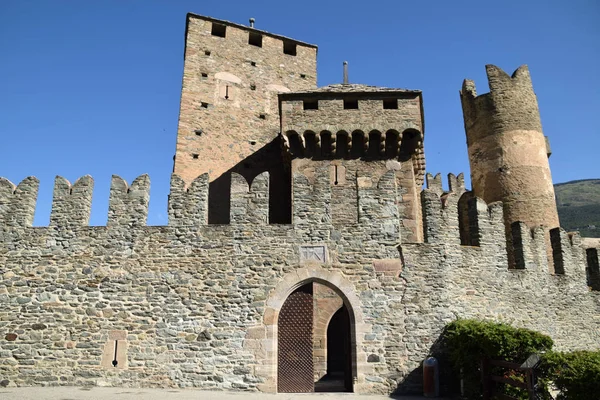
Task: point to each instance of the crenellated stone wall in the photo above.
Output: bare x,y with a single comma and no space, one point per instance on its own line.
192,304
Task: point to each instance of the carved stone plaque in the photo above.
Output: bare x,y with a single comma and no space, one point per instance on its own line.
313,253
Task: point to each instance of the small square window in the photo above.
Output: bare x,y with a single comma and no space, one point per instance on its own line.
252,87
204,75
303,76
289,48
262,116
390,104
350,104
218,30
207,52
255,39
311,104
253,63
203,104
195,156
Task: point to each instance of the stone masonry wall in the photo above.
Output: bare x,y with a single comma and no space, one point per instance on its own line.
229,107
192,304
370,115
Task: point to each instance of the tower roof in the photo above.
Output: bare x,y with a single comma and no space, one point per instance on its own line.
356,88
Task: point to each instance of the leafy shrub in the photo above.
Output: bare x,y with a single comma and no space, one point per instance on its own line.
576,375
466,342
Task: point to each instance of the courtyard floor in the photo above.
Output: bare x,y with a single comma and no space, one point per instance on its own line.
106,393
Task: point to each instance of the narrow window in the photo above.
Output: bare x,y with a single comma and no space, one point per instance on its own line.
255,39
390,104
114,361
350,104
303,76
335,182
311,104
218,30
252,87
289,48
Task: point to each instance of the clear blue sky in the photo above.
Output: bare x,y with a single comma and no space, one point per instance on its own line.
93,87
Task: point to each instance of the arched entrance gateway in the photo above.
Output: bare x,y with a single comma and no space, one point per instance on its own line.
334,291
314,341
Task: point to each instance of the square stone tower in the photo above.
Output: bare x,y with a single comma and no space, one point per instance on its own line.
229,117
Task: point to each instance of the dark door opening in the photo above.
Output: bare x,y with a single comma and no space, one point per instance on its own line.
339,360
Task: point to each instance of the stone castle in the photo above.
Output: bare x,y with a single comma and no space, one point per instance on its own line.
301,252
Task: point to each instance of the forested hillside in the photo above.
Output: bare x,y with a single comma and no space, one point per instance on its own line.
579,206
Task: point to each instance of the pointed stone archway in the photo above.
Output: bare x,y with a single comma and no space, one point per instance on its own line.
263,339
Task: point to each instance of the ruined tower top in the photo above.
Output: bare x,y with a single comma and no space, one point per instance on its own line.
508,152
511,104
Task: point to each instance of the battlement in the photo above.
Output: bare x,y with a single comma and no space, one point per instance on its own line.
17,204
451,216
456,216
456,183
72,204
188,204
511,104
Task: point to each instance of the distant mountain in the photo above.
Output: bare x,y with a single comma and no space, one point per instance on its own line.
579,206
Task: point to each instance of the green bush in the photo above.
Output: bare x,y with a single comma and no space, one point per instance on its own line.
466,342
576,375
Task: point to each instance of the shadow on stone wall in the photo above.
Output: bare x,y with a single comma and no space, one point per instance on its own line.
268,158
412,383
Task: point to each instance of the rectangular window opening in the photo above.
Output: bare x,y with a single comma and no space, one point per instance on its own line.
204,75
255,39
303,76
350,104
252,87
311,104
253,63
203,104
207,52
289,48
195,156
390,104
218,30
262,116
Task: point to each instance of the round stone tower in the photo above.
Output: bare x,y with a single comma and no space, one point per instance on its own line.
508,152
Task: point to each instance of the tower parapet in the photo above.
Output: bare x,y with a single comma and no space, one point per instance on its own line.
507,149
